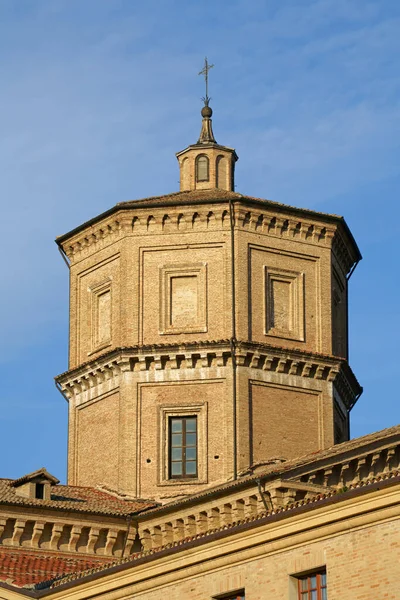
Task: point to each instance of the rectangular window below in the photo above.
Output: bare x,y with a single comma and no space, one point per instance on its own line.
312,587
182,447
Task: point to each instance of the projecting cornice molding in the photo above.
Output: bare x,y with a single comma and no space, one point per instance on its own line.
212,213
193,218
213,354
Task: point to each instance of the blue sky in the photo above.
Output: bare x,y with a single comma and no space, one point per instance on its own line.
96,98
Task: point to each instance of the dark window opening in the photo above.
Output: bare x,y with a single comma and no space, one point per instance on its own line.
239,595
39,492
182,447
202,168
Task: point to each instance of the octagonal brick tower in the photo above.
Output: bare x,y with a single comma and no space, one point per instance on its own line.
208,334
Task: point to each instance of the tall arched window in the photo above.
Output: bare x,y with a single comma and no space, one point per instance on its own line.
202,168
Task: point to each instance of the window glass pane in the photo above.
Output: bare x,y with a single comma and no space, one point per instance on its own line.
191,468
190,425
176,439
202,168
190,439
183,446
176,453
190,453
176,468
313,587
176,425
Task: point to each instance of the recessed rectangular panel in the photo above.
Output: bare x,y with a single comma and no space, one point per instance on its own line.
97,442
284,303
280,305
183,292
103,323
184,301
95,302
339,320
183,295
101,320
207,426
285,421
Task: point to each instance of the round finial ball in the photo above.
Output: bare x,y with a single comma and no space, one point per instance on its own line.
206,111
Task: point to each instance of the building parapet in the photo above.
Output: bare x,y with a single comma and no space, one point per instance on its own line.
267,492
44,533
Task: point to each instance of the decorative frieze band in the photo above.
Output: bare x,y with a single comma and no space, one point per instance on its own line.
206,217
213,355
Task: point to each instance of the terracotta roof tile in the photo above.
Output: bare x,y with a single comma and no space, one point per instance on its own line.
77,499
25,568
192,196
39,473
390,478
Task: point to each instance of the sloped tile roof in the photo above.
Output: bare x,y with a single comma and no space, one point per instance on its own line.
43,472
214,194
24,568
77,499
362,487
208,196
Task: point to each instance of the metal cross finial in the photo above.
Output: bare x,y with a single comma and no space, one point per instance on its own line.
204,72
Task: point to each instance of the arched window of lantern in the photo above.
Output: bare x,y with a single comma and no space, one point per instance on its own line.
221,169
202,168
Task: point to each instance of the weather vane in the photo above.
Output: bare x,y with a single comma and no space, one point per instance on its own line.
204,72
